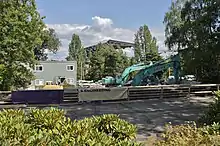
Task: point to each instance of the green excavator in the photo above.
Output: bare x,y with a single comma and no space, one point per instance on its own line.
145,73
122,79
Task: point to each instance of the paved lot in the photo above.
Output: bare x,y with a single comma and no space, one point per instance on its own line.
150,116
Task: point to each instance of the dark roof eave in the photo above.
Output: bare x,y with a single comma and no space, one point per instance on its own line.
128,44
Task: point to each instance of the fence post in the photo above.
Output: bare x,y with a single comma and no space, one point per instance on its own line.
189,91
77,94
161,92
128,93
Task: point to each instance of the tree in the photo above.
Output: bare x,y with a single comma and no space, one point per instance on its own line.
146,48
107,61
115,61
21,30
2,74
137,48
198,34
97,65
50,42
77,53
173,23
131,61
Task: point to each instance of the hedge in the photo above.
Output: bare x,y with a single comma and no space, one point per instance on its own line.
213,113
190,135
205,133
37,127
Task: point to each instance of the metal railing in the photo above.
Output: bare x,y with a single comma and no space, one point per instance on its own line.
143,92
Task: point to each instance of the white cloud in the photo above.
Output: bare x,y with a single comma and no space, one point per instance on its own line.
103,22
100,30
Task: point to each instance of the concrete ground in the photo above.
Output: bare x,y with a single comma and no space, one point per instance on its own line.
150,116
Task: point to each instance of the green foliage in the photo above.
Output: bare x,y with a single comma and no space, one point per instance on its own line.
77,53
173,23
213,129
132,61
193,25
213,113
192,134
21,30
189,134
115,61
97,61
50,42
74,48
146,48
107,61
51,127
2,74
117,128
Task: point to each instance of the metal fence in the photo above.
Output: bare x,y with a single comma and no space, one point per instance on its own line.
140,92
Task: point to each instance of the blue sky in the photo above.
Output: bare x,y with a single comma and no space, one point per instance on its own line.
106,19
125,13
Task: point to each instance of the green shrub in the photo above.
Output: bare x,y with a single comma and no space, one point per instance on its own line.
213,129
213,113
116,127
206,134
51,128
189,134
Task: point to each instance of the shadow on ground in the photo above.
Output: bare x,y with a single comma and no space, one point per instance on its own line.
150,116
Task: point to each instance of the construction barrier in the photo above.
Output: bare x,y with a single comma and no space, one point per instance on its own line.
102,94
37,96
70,95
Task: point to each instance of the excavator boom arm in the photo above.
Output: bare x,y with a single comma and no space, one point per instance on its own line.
173,62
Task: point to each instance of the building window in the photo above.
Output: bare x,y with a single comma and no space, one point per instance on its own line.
70,68
39,82
39,68
70,81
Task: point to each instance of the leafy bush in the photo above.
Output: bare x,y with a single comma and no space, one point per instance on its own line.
51,128
213,113
192,134
189,134
117,128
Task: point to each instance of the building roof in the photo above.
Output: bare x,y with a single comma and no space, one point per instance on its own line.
57,61
122,44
